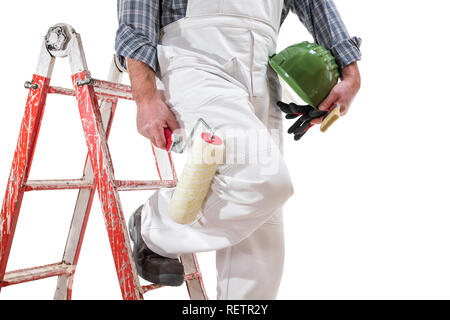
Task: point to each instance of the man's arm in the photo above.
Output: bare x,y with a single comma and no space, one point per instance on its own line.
136,42
153,115
323,21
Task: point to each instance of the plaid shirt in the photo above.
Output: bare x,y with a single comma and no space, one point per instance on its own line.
141,20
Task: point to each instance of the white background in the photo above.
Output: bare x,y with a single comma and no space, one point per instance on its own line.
370,217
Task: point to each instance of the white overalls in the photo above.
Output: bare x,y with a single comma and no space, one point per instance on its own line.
214,65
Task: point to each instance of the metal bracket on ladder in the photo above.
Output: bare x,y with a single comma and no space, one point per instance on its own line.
62,41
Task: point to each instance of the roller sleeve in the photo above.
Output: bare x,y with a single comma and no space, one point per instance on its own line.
205,156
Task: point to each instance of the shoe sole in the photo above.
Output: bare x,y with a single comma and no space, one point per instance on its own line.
173,280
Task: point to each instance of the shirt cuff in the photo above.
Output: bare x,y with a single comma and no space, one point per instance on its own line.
135,46
347,51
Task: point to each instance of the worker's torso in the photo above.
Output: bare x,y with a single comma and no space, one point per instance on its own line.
232,39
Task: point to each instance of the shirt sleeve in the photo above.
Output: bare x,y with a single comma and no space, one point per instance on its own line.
323,21
138,32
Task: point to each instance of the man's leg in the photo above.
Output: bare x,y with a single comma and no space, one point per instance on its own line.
252,268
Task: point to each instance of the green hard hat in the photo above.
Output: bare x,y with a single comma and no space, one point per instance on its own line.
309,69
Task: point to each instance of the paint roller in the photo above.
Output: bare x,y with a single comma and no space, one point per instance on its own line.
205,155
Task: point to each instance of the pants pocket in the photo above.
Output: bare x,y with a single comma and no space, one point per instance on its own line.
259,64
232,69
259,83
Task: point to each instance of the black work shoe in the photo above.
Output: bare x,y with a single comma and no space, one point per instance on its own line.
151,266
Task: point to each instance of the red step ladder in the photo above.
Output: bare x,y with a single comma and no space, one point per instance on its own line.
62,41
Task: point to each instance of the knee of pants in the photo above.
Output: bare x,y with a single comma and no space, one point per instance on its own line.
255,187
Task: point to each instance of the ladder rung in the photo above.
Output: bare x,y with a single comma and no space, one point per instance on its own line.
121,90
192,276
36,273
187,277
144,185
151,287
62,91
122,185
69,184
104,91
107,85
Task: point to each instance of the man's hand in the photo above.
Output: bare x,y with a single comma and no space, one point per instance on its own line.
152,117
344,92
153,114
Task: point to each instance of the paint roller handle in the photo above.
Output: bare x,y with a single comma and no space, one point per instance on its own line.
169,139
332,116
176,143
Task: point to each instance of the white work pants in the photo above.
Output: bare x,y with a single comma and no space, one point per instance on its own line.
218,71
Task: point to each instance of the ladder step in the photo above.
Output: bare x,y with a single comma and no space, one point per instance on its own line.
123,185
115,89
151,287
36,273
62,91
69,184
103,90
187,277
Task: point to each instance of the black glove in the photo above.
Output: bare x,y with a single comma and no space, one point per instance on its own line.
302,125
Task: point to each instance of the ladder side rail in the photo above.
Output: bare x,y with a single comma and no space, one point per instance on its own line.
23,155
194,283
100,159
84,202
104,177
